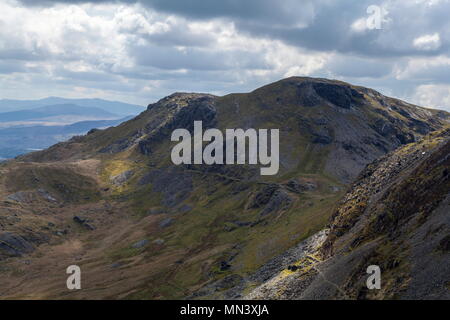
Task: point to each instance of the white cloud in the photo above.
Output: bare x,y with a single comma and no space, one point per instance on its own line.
428,42
360,25
435,96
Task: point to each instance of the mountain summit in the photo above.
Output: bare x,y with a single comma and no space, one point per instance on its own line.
141,227
337,128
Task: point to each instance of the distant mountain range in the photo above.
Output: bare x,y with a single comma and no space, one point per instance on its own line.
116,107
55,111
15,141
27,125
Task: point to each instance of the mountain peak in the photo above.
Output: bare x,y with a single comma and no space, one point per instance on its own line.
335,116
179,98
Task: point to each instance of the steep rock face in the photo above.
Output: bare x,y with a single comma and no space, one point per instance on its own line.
341,96
417,178
200,224
395,216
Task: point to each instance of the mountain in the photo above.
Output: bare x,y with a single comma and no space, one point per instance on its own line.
141,227
43,113
120,108
15,141
394,216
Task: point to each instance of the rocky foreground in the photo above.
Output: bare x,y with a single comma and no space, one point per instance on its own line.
397,216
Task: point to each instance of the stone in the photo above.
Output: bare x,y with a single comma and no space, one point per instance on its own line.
166,222
21,197
224,266
140,244
121,178
79,220
13,245
47,196
159,241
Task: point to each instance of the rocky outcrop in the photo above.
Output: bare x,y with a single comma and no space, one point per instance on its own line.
27,197
83,222
22,197
12,245
297,186
340,95
272,198
180,111
121,178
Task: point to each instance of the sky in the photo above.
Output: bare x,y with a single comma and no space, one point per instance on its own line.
140,51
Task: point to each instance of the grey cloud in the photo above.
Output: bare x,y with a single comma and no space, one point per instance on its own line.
431,74
331,29
356,67
192,58
23,54
85,75
8,67
287,11
178,34
318,25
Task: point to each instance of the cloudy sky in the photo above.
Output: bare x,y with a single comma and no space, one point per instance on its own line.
139,51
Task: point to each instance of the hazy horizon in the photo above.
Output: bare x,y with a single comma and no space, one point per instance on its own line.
156,99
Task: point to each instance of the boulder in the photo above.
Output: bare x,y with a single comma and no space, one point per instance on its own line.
121,178
140,244
166,222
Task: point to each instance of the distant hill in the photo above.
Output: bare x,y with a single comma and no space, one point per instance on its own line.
19,140
115,107
55,110
25,130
